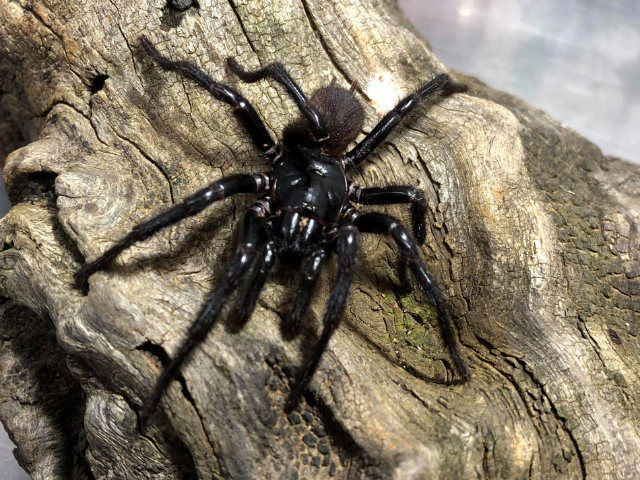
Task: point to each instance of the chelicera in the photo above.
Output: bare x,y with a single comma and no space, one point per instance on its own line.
305,211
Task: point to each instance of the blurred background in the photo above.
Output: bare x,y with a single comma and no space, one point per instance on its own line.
579,60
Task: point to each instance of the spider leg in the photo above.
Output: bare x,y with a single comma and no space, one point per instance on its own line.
396,194
311,268
247,303
193,204
279,74
392,119
249,243
384,224
346,244
241,106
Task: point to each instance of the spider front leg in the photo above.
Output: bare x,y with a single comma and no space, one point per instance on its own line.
384,224
346,244
250,241
392,119
279,74
241,106
193,204
392,195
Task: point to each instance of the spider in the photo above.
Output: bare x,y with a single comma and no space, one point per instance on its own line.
304,213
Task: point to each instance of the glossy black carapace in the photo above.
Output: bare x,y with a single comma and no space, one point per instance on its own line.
304,211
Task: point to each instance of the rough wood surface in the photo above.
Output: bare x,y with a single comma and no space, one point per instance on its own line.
533,234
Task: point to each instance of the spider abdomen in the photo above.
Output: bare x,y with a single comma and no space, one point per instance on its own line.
311,184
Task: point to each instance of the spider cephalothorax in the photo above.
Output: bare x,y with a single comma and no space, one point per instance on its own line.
304,213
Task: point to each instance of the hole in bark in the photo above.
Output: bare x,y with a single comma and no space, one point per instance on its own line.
7,245
155,350
98,83
181,5
174,12
30,187
615,338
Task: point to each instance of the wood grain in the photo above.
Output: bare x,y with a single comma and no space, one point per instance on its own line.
533,235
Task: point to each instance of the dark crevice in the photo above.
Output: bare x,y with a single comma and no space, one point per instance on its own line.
33,187
185,390
159,353
152,162
39,188
98,83
156,351
181,452
237,14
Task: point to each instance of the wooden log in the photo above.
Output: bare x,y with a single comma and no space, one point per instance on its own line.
533,234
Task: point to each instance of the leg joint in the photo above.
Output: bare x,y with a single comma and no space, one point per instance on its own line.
263,181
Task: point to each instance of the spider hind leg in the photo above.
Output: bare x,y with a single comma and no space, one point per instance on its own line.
249,244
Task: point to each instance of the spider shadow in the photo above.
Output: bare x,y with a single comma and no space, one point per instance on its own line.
197,240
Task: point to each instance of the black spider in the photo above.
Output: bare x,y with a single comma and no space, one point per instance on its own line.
304,212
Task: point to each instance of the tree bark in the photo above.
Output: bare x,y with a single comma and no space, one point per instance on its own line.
532,232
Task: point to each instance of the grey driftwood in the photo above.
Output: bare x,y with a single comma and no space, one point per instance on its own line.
533,234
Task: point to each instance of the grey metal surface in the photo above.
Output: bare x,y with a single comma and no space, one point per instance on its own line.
577,59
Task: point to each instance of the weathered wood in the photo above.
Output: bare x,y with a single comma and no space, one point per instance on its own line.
533,234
